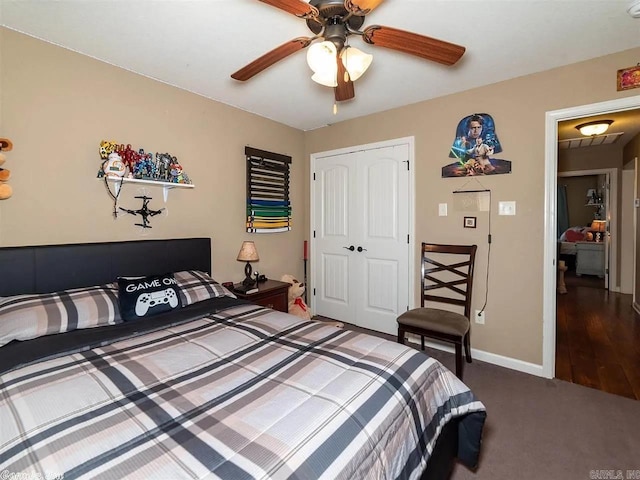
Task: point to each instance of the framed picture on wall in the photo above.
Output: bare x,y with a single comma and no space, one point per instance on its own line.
469,222
629,78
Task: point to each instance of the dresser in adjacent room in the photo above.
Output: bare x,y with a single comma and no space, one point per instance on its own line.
590,258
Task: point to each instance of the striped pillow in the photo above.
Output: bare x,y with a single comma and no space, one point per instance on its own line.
23,317
195,286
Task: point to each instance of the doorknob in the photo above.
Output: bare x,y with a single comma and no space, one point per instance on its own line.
360,249
351,247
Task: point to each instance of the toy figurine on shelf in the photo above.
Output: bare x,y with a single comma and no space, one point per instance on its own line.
130,158
114,166
164,162
177,172
107,147
144,168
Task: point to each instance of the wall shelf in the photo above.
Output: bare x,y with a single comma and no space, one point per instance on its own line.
166,186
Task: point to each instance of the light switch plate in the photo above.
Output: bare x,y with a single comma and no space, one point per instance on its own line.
506,208
442,209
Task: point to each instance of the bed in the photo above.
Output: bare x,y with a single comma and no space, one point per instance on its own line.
216,387
568,244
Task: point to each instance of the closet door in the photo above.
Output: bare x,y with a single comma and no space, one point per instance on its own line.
361,237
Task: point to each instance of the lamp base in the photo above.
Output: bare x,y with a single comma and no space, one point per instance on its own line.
248,281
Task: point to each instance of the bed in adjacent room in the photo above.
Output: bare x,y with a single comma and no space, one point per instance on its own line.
568,244
195,383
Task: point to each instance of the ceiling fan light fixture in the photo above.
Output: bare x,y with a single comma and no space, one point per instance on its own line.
321,57
328,79
355,61
597,127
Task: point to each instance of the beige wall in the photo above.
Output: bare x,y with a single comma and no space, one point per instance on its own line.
57,106
514,312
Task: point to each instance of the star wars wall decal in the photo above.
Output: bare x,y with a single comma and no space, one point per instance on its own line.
474,147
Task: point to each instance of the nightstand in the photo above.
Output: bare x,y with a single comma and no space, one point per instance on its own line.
271,294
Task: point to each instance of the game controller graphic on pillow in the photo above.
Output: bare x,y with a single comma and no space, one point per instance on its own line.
141,297
150,300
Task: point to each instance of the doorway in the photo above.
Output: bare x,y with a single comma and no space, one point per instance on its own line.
362,233
583,257
550,244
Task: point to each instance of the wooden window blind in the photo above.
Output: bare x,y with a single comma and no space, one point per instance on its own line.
268,202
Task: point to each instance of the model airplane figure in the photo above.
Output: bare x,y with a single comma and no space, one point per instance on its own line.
145,212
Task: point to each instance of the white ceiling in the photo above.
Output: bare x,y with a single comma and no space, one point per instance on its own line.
196,45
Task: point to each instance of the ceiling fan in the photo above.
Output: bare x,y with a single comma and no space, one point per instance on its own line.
337,64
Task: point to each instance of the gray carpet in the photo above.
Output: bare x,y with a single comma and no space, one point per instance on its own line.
548,429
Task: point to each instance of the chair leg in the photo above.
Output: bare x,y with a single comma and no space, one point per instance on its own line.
467,347
459,360
400,335
422,342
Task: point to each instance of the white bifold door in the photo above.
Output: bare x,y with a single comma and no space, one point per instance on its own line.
360,246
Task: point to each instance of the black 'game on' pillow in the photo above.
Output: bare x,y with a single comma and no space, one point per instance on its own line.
146,296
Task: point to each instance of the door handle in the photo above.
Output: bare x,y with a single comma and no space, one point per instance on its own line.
360,249
351,247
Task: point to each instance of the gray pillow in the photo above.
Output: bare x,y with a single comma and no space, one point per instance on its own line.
23,317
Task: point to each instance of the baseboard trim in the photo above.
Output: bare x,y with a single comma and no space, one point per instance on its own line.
636,307
494,359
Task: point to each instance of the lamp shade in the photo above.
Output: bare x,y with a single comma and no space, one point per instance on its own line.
599,226
321,58
597,127
355,61
248,252
328,79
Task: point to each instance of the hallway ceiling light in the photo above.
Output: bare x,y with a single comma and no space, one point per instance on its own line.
597,127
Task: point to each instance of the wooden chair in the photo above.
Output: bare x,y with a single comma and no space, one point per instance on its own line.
447,277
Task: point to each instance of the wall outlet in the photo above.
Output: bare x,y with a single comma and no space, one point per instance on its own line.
442,209
480,317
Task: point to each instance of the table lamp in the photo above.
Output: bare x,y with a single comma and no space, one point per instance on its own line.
598,226
248,253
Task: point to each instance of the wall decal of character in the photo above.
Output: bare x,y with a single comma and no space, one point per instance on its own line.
473,148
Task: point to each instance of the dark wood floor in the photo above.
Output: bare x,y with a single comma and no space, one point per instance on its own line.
597,338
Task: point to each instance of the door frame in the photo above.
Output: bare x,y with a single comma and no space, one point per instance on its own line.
313,158
550,215
611,214
634,303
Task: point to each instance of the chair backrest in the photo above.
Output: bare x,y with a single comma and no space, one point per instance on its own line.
447,274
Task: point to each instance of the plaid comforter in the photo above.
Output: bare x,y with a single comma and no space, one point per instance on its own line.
245,393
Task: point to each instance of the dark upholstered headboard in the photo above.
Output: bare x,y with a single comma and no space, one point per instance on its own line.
51,268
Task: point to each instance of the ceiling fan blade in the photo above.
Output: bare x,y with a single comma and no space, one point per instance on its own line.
344,90
414,44
269,58
361,7
295,7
